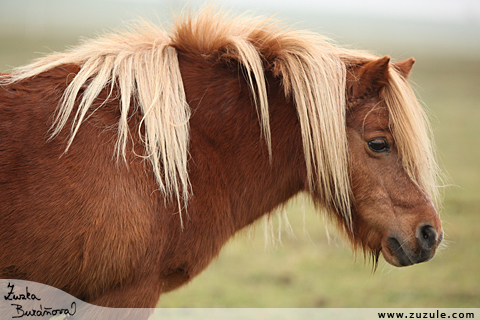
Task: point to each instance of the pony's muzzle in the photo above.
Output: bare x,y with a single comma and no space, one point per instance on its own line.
405,254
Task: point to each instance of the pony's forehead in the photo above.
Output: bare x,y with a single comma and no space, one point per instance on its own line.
368,114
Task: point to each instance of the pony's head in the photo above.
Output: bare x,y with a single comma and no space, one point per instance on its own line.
392,208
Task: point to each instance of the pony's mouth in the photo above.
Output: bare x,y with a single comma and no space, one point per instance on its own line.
395,249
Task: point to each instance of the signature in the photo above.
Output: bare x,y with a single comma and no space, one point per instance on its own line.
40,312
34,312
12,296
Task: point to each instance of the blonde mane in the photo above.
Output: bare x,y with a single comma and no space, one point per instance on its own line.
143,63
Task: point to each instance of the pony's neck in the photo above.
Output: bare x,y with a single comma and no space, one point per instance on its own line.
228,151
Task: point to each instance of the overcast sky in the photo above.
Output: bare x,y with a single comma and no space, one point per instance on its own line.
437,10
445,23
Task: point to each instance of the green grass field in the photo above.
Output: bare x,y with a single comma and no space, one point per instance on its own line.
308,270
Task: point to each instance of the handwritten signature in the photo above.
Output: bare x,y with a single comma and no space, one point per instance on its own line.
43,311
34,312
12,296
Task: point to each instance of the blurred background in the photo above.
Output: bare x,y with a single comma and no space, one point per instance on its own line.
312,267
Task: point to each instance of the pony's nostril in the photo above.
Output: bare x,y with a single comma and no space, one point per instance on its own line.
426,237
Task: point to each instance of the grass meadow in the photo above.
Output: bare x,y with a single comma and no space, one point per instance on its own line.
308,268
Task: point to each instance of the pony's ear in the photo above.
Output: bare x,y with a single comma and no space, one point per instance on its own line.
404,66
371,77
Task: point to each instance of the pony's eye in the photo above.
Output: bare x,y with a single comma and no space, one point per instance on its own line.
378,145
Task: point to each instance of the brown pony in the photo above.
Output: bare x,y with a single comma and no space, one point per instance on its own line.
127,162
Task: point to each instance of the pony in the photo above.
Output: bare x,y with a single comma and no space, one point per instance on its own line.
128,161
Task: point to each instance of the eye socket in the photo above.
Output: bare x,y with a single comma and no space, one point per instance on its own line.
378,145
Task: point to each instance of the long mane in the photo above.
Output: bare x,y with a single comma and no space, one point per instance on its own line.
143,63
